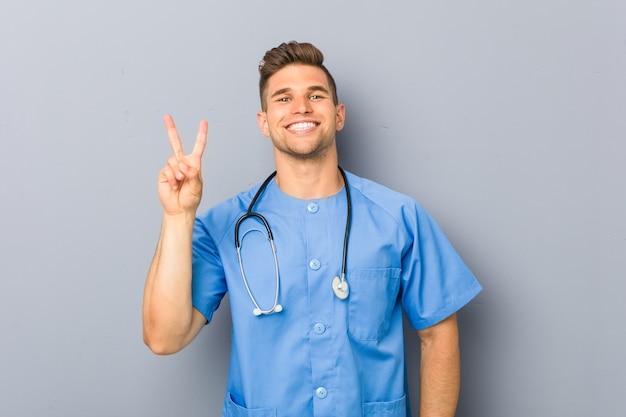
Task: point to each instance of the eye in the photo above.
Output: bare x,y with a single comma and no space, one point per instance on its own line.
283,100
315,97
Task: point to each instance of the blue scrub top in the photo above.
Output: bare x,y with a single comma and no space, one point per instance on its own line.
322,356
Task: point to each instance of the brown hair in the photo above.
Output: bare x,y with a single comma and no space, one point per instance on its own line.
287,54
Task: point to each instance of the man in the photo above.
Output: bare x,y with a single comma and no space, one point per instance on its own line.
321,266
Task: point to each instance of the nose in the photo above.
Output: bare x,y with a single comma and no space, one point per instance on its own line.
301,105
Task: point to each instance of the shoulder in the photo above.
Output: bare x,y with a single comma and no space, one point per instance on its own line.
371,188
219,220
375,195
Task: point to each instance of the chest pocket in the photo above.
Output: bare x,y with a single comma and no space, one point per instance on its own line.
395,408
373,295
232,409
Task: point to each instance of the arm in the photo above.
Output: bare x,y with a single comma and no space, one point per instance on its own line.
440,373
169,320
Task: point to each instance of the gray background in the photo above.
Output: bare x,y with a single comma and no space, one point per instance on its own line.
506,120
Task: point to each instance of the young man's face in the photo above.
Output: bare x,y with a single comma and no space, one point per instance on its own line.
301,118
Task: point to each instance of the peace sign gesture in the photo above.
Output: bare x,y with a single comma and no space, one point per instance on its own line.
180,180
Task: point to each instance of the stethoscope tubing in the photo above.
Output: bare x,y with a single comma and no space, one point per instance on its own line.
251,214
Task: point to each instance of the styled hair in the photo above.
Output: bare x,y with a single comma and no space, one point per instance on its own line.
287,54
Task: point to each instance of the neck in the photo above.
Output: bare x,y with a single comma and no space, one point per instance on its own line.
307,180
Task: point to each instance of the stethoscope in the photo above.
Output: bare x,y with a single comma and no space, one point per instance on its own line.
339,284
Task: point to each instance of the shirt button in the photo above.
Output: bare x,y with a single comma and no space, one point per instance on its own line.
312,207
321,392
315,264
319,328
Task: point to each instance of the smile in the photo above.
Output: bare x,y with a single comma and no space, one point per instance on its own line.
301,126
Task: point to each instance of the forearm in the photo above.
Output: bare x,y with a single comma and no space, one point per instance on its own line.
167,309
440,373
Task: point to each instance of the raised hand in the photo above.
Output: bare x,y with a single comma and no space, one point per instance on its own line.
180,180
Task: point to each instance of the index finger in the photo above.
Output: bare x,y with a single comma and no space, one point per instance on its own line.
172,133
198,147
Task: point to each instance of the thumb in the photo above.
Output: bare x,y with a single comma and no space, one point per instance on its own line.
191,174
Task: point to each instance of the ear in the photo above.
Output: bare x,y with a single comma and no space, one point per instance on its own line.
340,117
261,118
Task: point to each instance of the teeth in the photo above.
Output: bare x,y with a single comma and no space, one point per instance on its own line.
301,126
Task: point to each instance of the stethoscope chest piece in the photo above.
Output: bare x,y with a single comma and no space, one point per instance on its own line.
340,288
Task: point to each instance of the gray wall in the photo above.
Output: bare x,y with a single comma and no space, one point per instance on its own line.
505,119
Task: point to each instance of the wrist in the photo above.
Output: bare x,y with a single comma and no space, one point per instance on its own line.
181,218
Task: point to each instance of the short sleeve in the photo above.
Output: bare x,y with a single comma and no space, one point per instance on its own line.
208,282
436,283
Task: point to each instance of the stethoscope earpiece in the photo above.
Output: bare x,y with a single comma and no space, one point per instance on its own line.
257,311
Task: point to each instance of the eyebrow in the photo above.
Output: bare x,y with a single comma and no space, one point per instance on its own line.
309,90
